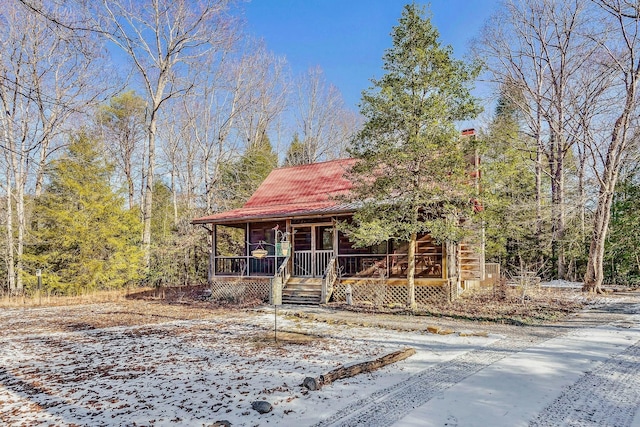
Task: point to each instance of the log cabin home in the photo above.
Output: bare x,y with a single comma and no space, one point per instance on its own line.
283,246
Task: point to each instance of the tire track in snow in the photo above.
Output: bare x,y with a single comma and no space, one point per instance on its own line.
609,395
386,406
618,378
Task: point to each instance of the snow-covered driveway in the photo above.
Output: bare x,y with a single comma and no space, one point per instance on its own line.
582,377
587,377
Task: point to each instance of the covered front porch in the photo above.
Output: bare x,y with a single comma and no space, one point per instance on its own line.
314,262
312,245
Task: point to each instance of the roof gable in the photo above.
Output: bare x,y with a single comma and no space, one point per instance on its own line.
293,190
313,183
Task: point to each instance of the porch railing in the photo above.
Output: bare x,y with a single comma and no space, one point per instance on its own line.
392,265
231,266
311,263
305,264
322,260
302,264
246,266
328,280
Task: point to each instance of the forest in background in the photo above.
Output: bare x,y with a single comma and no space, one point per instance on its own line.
121,125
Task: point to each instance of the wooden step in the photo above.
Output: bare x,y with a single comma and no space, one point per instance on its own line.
302,287
302,290
301,293
305,280
301,300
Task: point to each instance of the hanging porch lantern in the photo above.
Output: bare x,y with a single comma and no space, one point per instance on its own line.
259,252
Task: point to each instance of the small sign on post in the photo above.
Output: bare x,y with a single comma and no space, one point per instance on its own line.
39,276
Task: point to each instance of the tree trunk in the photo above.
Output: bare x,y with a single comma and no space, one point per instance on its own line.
353,370
148,193
560,237
174,195
22,222
619,139
411,271
453,278
11,276
132,196
557,201
42,163
538,177
582,191
594,275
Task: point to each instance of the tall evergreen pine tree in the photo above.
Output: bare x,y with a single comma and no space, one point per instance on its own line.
412,169
84,238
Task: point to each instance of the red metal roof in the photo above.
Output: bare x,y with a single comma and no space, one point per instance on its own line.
293,191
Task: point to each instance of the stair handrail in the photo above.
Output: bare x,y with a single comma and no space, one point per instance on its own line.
284,272
280,278
328,280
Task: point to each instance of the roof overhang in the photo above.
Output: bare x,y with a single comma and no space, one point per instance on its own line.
237,216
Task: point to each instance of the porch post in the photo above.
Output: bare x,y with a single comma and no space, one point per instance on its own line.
313,251
335,238
212,254
453,268
288,229
247,248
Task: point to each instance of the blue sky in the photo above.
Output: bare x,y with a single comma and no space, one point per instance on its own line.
347,38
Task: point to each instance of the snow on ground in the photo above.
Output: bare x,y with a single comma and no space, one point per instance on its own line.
551,384
562,284
196,372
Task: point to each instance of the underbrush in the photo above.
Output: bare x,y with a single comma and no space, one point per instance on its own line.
498,305
195,295
49,299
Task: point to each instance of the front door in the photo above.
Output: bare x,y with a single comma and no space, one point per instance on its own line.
312,249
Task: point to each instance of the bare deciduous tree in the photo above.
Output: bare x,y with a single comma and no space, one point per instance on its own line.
162,38
215,108
324,125
576,66
48,76
263,94
121,124
536,47
620,43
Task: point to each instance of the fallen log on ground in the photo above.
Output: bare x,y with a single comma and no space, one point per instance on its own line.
352,370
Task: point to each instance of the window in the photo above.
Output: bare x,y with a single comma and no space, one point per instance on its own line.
324,238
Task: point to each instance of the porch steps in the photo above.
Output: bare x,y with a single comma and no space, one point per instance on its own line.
302,290
469,262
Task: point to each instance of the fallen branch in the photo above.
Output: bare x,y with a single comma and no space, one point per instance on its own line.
353,370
